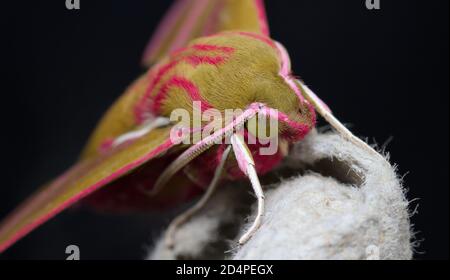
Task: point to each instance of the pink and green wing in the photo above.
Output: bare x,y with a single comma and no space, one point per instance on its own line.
190,19
98,167
80,181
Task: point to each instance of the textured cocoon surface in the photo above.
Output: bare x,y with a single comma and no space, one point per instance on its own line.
335,202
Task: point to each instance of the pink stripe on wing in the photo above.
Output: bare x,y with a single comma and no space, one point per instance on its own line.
167,24
28,228
211,26
262,16
186,31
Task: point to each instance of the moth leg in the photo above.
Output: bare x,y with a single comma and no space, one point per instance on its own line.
247,165
198,148
184,217
325,112
142,130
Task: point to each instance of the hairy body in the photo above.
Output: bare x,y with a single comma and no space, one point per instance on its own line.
231,70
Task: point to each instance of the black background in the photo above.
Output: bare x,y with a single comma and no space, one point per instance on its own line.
385,72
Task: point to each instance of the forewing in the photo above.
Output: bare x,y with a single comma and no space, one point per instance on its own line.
190,19
81,180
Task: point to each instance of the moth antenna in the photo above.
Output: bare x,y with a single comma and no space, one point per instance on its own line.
325,112
247,165
184,217
198,148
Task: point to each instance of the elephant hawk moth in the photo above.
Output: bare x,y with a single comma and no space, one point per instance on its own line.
206,55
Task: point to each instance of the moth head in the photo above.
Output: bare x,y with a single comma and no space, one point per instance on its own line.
282,91
244,68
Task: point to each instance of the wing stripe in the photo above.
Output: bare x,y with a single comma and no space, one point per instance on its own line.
189,25
168,23
213,21
190,19
262,15
12,230
158,74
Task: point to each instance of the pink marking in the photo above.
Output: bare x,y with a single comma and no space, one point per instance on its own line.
34,202
285,60
184,84
106,145
141,107
168,23
162,71
211,26
204,47
196,60
59,183
175,13
179,51
262,16
300,129
286,71
185,33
